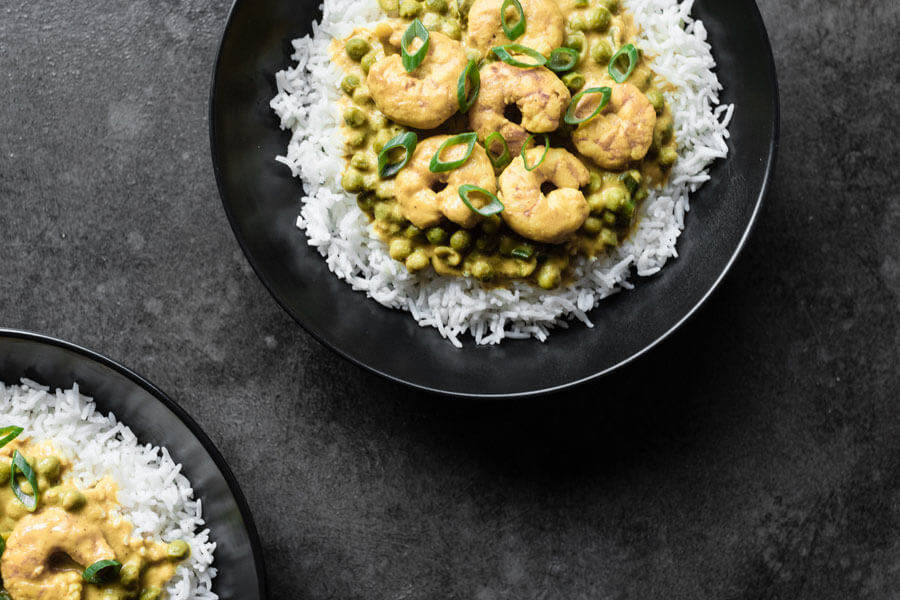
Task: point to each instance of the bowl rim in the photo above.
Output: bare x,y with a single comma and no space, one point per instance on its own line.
189,422
769,61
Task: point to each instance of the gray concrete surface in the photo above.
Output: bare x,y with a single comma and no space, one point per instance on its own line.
769,469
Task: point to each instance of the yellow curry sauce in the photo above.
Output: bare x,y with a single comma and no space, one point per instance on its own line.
489,249
48,549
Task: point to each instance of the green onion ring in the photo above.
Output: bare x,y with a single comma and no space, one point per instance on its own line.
570,117
614,71
543,156
503,53
515,31
470,74
572,59
415,30
523,252
505,158
438,166
21,465
2,546
493,208
407,140
8,434
102,571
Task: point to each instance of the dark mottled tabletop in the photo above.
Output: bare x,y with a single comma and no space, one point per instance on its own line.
763,461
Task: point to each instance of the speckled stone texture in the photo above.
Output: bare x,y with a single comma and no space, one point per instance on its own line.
763,461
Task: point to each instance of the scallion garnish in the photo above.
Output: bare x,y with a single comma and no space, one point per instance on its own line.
512,31
407,140
523,252
20,465
102,571
492,208
570,117
618,75
504,54
8,434
2,546
415,30
498,161
470,74
563,59
438,166
543,156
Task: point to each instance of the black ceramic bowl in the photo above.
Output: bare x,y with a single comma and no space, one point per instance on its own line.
155,419
262,201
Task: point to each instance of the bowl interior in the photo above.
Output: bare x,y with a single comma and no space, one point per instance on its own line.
154,419
262,201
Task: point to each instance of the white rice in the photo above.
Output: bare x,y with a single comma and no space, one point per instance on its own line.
155,497
306,103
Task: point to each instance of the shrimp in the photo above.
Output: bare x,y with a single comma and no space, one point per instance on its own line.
426,97
418,189
544,29
621,133
537,92
546,218
37,538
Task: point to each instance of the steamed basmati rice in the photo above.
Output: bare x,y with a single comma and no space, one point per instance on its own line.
155,497
307,104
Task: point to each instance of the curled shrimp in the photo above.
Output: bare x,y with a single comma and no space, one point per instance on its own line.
545,217
425,197
621,133
37,538
544,31
426,97
537,92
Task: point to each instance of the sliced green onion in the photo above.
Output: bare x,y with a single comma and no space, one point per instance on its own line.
503,53
407,140
617,74
8,434
20,465
438,166
102,571
523,252
2,546
505,158
571,119
543,156
470,74
493,208
515,31
563,59
415,30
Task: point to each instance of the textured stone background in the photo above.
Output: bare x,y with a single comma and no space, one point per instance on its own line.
769,469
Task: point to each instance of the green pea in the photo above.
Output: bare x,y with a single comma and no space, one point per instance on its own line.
593,225
486,243
357,137
400,248
362,96
381,139
451,29
365,202
461,240
361,161
575,41
482,270
417,261
448,255
130,574
667,157
577,23
548,276
357,48
412,232
354,117
595,201
491,224
150,593
73,500
609,237
178,550
668,131
5,469
601,52
507,245
656,99
432,21
410,9
610,5
597,18
436,235
573,81
609,218
349,83
352,181
596,182
368,61
614,197
382,211
438,6
48,467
